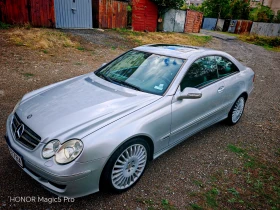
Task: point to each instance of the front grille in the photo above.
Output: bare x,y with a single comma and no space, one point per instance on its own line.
28,138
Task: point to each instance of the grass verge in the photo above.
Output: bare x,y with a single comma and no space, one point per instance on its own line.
40,38
269,43
141,38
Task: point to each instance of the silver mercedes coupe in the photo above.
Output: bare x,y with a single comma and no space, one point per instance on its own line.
99,130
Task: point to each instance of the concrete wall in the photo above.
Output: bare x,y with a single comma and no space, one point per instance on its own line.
266,29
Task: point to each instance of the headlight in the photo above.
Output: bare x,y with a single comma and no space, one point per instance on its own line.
69,151
16,106
50,149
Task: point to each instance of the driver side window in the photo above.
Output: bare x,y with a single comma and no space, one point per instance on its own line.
202,72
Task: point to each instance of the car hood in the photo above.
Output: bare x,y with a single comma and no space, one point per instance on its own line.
78,107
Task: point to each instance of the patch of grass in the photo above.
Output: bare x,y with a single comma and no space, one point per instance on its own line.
253,185
198,183
167,205
195,206
28,75
235,149
80,48
40,38
4,25
269,43
78,64
211,197
233,191
114,47
141,38
45,51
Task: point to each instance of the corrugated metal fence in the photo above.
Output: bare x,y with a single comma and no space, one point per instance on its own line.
35,12
73,14
209,23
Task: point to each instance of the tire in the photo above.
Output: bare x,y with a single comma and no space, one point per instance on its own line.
236,111
126,166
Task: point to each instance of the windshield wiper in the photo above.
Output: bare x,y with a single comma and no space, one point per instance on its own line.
123,83
104,77
130,85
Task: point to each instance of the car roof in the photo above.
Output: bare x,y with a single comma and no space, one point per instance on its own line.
178,51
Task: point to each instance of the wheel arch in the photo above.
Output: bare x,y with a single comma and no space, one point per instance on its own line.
142,136
245,94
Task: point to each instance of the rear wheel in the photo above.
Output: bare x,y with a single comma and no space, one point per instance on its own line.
236,111
126,165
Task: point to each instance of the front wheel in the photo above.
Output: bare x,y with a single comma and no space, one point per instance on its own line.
126,165
236,111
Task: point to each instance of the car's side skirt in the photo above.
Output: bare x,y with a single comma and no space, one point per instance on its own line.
156,155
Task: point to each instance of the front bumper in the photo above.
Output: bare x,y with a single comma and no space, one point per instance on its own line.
71,180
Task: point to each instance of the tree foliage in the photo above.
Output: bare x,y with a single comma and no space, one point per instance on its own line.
175,4
234,9
239,9
216,8
277,17
196,8
261,14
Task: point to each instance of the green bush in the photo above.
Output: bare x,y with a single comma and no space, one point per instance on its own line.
262,40
261,14
4,25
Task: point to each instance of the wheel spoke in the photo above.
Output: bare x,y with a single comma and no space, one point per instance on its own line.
120,161
119,166
117,177
117,171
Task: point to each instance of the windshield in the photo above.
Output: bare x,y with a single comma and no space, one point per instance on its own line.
142,71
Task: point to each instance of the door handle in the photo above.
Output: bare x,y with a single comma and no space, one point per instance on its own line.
221,89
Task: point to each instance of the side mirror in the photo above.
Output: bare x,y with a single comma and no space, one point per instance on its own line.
190,93
103,64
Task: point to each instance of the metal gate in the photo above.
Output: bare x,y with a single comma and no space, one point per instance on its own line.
144,15
232,26
209,23
73,13
174,20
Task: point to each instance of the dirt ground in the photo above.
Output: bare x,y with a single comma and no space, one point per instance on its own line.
170,179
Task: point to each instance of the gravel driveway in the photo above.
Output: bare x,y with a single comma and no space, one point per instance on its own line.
171,176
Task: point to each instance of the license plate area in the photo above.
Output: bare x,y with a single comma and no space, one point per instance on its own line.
16,157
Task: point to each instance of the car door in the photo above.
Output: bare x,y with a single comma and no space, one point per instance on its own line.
228,72
192,115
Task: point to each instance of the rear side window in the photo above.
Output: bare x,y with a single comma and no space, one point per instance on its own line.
201,72
225,67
